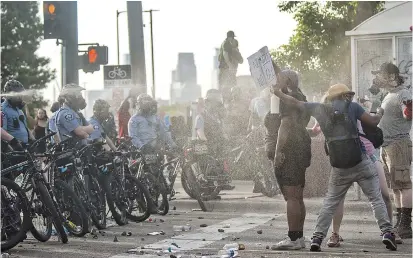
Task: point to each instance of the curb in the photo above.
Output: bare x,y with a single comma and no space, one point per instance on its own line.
267,205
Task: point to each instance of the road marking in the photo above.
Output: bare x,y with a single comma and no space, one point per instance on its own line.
205,236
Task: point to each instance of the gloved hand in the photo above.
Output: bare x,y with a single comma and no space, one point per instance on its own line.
16,145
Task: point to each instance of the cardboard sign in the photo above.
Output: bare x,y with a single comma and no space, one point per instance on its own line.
261,68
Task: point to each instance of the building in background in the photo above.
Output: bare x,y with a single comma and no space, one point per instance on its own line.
215,70
184,87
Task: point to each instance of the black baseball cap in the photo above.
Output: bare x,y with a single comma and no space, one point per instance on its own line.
230,34
388,68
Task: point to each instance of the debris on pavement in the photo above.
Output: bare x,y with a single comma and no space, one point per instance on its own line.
200,217
115,239
142,239
226,226
196,210
203,225
129,233
178,228
220,230
174,208
267,247
123,233
161,220
259,232
156,233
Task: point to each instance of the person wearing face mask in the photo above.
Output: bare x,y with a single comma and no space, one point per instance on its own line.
396,151
13,118
145,128
209,125
69,120
100,114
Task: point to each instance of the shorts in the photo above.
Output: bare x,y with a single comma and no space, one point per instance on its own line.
290,174
397,159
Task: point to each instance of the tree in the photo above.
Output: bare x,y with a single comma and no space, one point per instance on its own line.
21,34
319,49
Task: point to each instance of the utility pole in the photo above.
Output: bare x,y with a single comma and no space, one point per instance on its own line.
152,52
117,31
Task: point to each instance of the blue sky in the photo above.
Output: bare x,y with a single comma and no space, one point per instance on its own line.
179,26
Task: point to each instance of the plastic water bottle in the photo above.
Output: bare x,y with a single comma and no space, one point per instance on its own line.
182,228
230,253
170,249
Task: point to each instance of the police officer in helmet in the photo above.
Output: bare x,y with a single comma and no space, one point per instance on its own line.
145,128
100,114
13,118
69,120
209,125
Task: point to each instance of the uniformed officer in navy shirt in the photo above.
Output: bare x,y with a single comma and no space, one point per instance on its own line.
69,120
13,118
100,114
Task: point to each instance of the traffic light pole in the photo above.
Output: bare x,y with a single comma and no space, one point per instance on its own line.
71,46
117,32
152,52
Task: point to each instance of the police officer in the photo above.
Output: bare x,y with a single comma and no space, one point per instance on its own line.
100,113
209,125
13,118
69,121
145,127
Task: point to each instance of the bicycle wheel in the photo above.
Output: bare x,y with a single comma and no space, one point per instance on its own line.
138,199
51,211
116,198
15,214
98,201
72,208
189,177
158,192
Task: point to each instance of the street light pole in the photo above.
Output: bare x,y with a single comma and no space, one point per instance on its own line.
117,31
152,52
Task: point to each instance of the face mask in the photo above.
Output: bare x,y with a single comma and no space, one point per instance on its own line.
81,103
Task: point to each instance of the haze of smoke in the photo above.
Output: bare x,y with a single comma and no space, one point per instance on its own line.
26,93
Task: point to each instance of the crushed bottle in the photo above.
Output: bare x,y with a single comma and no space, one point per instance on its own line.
182,228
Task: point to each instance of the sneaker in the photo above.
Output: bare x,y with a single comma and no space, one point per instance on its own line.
334,240
288,244
316,244
398,239
390,241
302,242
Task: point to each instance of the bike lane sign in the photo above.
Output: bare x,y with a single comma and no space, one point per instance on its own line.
117,75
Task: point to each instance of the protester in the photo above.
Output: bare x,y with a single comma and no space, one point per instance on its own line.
229,58
40,129
292,157
126,111
335,239
338,121
397,147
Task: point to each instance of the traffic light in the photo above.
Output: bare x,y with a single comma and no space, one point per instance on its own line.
98,55
94,58
55,20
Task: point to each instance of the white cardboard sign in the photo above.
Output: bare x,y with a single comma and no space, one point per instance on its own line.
261,68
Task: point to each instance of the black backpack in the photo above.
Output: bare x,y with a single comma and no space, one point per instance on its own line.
374,134
342,144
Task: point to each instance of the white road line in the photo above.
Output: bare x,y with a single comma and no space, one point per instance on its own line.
205,236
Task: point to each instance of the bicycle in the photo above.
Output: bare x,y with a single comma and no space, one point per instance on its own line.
34,183
117,72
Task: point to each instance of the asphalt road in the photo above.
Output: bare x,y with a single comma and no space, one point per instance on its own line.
240,215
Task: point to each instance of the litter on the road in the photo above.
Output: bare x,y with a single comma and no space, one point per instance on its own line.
115,239
157,233
227,226
203,225
259,232
123,233
220,230
161,220
182,228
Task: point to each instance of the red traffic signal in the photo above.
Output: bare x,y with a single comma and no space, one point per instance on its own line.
97,55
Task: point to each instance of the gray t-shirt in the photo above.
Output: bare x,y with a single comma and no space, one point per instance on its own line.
394,126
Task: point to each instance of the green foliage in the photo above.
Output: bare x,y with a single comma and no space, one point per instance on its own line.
319,49
21,34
